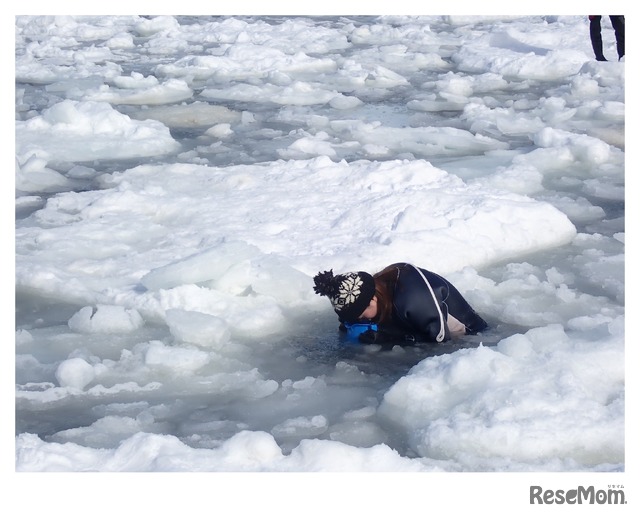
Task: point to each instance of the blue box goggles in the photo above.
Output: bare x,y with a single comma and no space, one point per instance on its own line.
356,329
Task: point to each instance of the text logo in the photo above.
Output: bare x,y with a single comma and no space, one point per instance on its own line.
580,495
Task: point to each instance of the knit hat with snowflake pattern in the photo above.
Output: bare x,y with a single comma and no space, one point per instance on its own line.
350,293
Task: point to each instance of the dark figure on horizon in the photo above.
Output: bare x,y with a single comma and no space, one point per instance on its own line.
617,22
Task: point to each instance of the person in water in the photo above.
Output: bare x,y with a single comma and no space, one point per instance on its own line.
402,303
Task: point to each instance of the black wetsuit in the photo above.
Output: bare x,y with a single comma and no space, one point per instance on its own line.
422,303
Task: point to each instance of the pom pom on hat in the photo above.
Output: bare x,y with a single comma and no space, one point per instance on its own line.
350,293
325,284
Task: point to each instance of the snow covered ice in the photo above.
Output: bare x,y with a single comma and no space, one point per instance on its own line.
179,181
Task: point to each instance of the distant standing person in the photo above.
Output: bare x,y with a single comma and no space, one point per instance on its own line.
617,22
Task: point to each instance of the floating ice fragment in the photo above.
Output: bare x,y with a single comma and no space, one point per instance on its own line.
198,328
105,319
75,373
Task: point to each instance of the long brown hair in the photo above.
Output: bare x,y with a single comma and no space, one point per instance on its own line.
385,281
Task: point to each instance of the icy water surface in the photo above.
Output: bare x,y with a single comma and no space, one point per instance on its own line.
554,130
